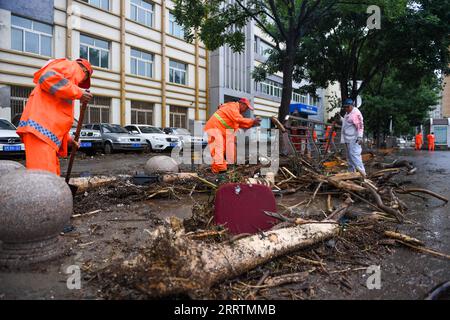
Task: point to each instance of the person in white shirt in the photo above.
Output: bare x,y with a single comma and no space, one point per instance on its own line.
352,135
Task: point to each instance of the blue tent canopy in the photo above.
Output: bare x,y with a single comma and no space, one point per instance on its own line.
303,108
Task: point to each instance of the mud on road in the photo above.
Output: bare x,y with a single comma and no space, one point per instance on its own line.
118,214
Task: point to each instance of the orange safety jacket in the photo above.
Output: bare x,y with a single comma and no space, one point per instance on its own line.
430,138
48,113
419,139
228,117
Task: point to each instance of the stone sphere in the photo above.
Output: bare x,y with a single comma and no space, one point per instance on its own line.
161,164
34,208
7,166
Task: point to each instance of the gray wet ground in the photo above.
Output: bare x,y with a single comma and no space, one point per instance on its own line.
405,274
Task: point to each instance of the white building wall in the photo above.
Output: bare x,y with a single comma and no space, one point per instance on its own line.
17,68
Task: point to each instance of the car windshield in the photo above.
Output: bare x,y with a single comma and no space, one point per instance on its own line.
182,131
150,130
6,125
113,128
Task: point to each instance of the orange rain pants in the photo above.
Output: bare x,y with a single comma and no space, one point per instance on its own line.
221,128
431,143
419,141
40,155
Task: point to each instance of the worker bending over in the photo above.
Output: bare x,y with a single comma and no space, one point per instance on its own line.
419,140
431,141
352,134
221,128
48,115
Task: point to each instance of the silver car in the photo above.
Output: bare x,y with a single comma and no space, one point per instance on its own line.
115,138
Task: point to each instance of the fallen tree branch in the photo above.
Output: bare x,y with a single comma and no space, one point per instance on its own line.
397,214
193,267
403,237
431,193
425,250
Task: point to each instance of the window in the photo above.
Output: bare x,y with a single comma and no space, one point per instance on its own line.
19,98
104,4
300,98
177,72
94,50
98,110
174,28
141,63
142,11
141,112
270,88
262,48
31,36
178,117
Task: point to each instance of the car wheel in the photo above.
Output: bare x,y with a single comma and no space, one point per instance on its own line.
108,148
149,146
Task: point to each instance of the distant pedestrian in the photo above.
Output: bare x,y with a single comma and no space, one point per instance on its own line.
419,140
352,134
431,140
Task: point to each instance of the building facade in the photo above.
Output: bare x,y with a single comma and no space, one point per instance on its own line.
231,78
144,71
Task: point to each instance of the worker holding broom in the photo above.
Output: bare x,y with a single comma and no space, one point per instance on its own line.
352,134
221,128
48,115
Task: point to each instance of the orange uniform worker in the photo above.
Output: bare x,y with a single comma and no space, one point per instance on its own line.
327,134
431,140
419,140
48,115
221,128
314,134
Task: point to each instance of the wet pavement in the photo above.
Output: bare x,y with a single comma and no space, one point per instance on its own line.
405,274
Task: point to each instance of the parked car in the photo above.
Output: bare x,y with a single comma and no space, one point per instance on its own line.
156,139
90,140
186,137
115,138
401,143
10,142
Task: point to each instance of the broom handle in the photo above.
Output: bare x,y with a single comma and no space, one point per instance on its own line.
76,138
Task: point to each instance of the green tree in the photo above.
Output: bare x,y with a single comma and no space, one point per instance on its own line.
392,96
286,22
413,39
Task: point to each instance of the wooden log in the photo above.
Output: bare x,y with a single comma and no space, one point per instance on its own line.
86,183
403,237
194,267
346,176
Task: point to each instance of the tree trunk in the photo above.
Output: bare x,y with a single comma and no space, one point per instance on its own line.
286,95
193,267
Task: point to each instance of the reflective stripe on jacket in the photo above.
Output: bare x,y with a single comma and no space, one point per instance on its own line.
48,113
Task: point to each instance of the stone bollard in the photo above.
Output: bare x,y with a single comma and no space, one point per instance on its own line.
161,164
7,166
34,208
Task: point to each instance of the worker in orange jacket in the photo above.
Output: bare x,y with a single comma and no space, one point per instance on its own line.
431,141
221,128
419,140
48,115
327,137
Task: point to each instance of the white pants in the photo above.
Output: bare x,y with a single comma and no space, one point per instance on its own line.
354,157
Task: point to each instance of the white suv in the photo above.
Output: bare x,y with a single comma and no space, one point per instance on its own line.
156,139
